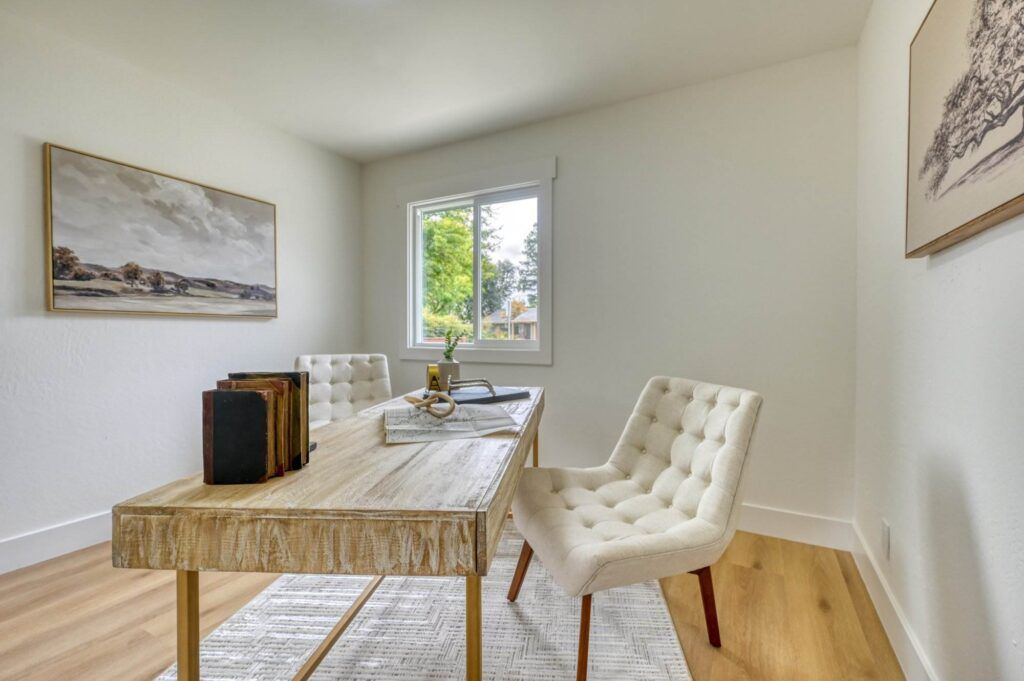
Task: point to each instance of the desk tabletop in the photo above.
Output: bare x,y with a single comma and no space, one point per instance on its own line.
356,495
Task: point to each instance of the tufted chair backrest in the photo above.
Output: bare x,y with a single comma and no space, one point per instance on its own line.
686,443
341,385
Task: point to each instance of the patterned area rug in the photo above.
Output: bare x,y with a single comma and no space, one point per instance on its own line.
414,628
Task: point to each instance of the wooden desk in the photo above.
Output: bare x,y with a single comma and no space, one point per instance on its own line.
361,507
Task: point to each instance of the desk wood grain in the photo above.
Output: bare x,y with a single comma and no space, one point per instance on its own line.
360,507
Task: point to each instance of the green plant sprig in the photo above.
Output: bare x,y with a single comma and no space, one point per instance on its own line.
451,342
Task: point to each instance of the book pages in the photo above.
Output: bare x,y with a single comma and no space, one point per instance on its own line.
408,424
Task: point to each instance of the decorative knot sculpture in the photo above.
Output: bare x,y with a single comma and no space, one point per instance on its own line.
429,403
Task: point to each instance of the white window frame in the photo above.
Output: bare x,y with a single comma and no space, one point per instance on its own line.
530,178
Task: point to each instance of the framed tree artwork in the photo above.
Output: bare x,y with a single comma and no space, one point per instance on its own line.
123,239
965,170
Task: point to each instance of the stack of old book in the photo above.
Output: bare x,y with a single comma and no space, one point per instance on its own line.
255,427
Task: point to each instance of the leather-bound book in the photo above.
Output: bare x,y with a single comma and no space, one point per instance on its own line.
282,406
238,436
300,410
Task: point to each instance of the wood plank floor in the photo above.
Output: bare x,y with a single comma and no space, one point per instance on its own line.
788,612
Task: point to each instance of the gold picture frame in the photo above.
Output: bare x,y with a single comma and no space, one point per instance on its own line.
185,229
963,167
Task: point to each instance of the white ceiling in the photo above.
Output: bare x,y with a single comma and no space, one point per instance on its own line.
373,78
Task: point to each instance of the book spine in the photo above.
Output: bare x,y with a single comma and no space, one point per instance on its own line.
304,417
288,448
208,453
273,452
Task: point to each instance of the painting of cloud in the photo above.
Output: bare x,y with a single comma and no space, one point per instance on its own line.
124,239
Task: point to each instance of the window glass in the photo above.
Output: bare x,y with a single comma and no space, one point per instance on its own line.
477,264
446,294
508,270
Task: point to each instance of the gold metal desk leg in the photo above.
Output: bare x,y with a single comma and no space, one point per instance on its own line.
474,623
318,655
536,448
188,625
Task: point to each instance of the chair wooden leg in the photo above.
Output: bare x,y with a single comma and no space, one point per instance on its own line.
581,660
707,595
520,574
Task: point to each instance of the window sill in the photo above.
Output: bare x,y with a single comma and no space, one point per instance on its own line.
469,355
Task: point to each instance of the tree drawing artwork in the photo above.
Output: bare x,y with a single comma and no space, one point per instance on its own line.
984,98
157,281
64,262
132,273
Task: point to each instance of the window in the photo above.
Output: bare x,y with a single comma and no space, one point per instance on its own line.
476,267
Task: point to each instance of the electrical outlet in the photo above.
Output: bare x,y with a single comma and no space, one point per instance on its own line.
886,539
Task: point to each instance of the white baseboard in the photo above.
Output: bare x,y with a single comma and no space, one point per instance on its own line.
801,527
908,649
50,542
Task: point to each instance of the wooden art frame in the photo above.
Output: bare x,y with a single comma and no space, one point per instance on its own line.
123,239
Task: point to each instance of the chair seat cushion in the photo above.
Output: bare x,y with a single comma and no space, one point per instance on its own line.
597,528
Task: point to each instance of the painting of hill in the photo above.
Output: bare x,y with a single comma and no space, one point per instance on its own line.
124,239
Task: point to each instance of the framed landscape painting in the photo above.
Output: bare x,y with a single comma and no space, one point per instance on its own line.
966,144
125,239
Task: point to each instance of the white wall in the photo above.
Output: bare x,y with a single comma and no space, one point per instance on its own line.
96,408
940,396
705,232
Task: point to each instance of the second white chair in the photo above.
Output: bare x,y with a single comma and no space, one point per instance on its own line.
667,501
341,385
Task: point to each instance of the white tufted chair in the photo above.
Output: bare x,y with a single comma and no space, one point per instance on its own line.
666,502
341,385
